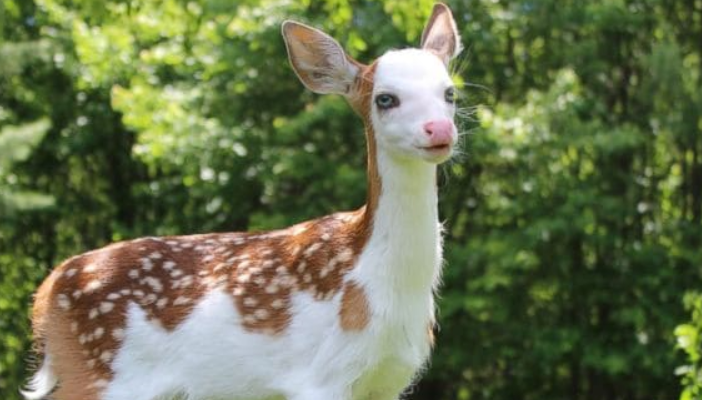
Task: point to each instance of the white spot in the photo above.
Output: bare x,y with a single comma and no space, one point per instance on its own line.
301,267
169,265
282,270
208,281
307,278
326,237
176,273
139,293
155,255
134,273
186,281
260,281
69,273
312,249
161,303
125,292
63,301
345,255
82,339
147,264
93,286
74,327
106,356
93,313
77,293
243,278
344,217
181,300
90,363
113,296
150,298
118,334
90,268
106,307
287,281
154,283
298,229
238,291
261,313
208,258
99,332
250,302
272,289
278,304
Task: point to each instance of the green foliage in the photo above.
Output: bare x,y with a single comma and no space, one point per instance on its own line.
690,341
574,216
16,143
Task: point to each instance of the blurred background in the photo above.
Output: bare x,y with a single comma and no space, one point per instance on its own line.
573,211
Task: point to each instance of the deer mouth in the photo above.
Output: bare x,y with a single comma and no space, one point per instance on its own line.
437,148
437,152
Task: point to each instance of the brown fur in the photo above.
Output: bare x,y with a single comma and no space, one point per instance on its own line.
354,314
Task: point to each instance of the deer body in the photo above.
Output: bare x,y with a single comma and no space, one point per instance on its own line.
340,307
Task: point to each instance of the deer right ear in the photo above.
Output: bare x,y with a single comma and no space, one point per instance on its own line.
441,36
318,60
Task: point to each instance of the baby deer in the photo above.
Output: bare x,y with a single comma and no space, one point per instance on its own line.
336,308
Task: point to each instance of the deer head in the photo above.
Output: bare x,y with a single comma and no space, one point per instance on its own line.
406,97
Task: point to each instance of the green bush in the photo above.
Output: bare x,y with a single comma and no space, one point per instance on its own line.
690,342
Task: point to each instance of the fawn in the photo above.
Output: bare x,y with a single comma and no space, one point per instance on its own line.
336,308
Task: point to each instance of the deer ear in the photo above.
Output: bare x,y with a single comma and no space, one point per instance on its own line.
440,36
318,60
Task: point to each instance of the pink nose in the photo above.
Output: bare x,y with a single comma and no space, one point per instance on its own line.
440,132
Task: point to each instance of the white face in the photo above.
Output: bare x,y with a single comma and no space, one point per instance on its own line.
413,106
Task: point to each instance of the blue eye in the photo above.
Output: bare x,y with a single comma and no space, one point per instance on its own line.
450,95
386,101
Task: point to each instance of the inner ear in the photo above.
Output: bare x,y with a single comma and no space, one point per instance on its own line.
318,60
441,36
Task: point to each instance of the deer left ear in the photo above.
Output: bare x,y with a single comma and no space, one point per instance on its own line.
319,61
440,36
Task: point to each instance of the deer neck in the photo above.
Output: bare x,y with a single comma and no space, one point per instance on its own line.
403,249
